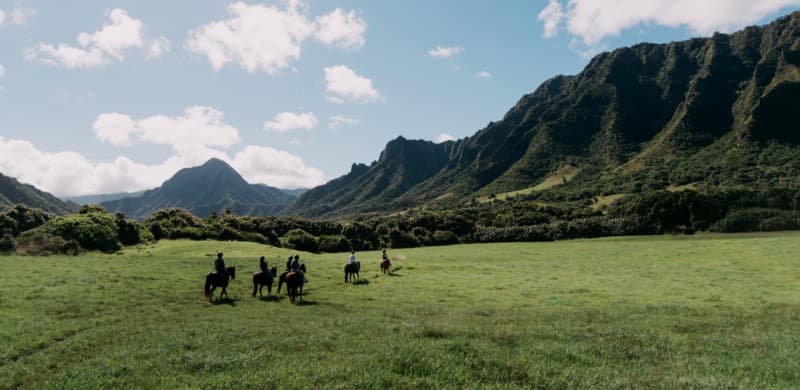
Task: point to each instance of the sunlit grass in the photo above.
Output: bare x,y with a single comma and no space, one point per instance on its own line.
705,311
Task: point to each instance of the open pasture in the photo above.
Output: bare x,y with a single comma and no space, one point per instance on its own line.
674,312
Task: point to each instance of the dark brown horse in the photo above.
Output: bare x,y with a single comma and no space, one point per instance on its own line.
294,284
351,270
261,279
385,265
214,280
283,279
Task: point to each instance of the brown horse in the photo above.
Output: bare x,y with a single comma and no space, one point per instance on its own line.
214,280
261,279
385,265
283,279
351,270
294,284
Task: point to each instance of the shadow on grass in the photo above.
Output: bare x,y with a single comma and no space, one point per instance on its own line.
305,303
272,298
361,281
224,301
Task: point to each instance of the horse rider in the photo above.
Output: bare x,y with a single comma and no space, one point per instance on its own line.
296,267
219,265
352,261
384,257
289,263
262,263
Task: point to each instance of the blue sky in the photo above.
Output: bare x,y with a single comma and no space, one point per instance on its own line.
121,112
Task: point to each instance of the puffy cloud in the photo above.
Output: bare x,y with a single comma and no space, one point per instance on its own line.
198,126
338,121
483,75
444,137
343,84
445,52
158,47
265,38
119,35
68,173
256,37
18,16
340,29
591,21
261,164
286,121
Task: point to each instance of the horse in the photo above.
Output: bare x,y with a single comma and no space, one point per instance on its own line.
261,279
351,269
385,264
214,280
283,279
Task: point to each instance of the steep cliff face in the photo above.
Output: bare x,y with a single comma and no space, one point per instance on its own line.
692,107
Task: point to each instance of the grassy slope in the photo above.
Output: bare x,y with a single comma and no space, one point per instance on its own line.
713,311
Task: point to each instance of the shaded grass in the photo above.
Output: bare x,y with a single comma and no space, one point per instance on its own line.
690,312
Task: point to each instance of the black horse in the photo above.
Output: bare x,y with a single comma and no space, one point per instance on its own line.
214,280
261,279
351,271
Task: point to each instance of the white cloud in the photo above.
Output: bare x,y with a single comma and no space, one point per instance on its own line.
197,127
68,173
591,21
445,52
444,137
18,16
278,168
338,121
483,75
286,121
119,35
340,29
256,37
343,84
551,16
158,47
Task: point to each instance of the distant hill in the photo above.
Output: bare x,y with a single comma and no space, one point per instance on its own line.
13,192
97,199
718,111
209,188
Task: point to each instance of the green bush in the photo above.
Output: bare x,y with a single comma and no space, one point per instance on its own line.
7,243
444,237
401,239
20,218
38,242
300,240
92,231
336,243
128,230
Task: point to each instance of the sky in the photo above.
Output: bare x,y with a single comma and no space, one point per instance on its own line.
105,96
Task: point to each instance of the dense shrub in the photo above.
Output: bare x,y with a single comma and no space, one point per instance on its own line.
757,219
92,231
38,242
7,243
300,240
444,237
92,208
361,236
401,239
334,244
128,230
20,218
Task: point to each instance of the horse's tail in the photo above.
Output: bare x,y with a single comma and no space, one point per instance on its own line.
207,288
255,285
280,283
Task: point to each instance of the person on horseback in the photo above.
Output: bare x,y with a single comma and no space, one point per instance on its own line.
352,260
384,257
262,263
219,265
296,268
289,263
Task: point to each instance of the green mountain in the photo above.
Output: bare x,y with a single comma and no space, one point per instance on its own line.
13,192
718,111
209,188
100,198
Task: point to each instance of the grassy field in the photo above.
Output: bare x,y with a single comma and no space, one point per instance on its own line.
671,312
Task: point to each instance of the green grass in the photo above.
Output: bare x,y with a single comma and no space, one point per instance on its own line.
672,312
553,180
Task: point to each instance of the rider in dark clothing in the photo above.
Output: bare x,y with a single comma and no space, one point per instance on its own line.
289,264
219,265
263,265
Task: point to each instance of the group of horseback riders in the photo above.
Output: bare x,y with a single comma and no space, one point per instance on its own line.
293,264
